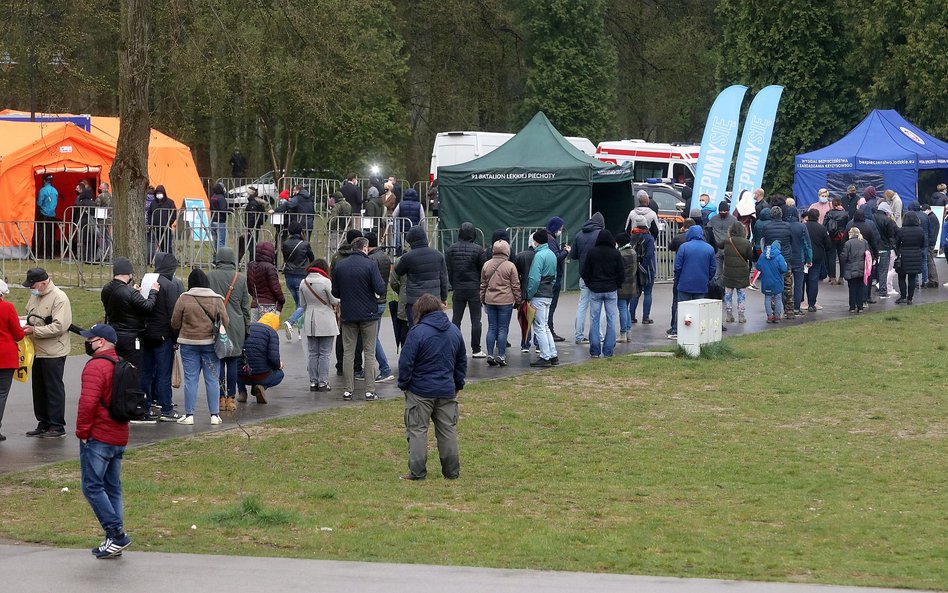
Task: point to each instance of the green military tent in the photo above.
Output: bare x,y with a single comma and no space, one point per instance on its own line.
533,176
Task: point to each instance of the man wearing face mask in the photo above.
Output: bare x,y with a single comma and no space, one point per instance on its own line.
126,310
850,201
48,317
161,216
707,210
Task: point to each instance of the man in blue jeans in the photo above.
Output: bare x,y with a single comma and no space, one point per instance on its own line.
384,262
102,441
583,243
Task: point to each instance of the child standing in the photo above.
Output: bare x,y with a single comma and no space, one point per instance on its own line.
772,266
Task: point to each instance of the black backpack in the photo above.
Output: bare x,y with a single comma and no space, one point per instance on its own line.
641,273
833,227
128,399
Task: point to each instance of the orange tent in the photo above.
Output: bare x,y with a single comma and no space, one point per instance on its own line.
169,162
27,152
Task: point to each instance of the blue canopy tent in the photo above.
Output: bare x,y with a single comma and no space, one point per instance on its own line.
884,150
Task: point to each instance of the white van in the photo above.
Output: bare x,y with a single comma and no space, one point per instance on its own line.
652,160
452,148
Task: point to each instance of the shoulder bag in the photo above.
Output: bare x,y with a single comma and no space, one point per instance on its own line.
223,346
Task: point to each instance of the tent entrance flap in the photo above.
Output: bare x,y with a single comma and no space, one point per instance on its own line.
65,184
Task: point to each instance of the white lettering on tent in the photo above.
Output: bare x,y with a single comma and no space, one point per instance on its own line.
65,149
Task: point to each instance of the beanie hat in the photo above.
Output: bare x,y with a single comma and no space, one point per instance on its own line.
271,320
724,207
623,239
869,193
541,237
198,279
555,224
122,266
352,235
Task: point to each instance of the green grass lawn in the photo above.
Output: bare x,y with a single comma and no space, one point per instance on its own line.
813,454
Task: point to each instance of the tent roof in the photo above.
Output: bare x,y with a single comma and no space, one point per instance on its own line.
538,153
28,139
883,140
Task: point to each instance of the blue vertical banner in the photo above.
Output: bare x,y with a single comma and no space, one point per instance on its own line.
755,141
717,144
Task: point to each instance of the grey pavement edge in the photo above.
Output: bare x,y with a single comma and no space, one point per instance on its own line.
157,572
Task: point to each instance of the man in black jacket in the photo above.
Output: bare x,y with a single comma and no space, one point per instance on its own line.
554,229
356,282
350,190
159,339
933,228
126,310
425,270
823,250
384,262
604,273
888,232
463,260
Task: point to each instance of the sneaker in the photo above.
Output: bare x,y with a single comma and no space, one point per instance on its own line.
752,287
501,361
526,349
36,432
147,419
409,477
370,396
347,396
479,354
312,387
634,320
741,318
555,361
884,296
899,301
557,338
811,309
594,355
541,363
288,331
384,377
172,417
53,433
583,341
189,420
324,387
215,419
671,335
491,362
893,292
112,548
798,313
360,376
647,321
729,318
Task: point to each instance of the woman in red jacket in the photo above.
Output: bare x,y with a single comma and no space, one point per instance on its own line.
10,333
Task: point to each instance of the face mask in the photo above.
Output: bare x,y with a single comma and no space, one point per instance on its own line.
89,349
703,204
34,291
823,199
160,196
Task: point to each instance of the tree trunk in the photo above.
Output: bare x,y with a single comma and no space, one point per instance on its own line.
129,173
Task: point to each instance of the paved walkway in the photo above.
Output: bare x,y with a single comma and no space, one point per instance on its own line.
153,572
293,397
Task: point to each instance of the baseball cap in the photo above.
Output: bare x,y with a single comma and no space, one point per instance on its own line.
34,275
101,330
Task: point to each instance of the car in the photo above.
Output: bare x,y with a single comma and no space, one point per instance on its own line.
266,188
668,197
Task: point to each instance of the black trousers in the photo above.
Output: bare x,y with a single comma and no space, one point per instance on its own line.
129,347
472,301
49,392
557,288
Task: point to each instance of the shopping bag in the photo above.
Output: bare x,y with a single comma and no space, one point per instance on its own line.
176,370
27,352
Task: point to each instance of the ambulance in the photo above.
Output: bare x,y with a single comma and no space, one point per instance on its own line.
676,161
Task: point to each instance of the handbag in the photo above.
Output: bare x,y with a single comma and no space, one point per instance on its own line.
897,265
223,345
320,299
176,372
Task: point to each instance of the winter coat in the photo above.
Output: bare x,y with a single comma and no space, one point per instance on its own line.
645,213
425,268
763,221
694,263
126,310
262,349
842,219
932,230
238,305
356,282
524,261
854,259
158,321
500,281
375,208
463,260
384,262
95,396
630,264
738,258
820,243
297,256
887,229
772,266
219,206
718,229
47,200
10,334
352,194
342,209
263,280
50,340
542,273
411,209
603,270
911,246
193,316
561,255
488,253
433,362
778,230
800,250
255,212
585,239
868,231
320,319
162,213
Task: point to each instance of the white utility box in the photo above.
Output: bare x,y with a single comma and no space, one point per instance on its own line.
699,322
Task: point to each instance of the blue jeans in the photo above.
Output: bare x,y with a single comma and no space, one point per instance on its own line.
541,328
773,305
498,324
194,360
689,296
581,311
798,287
625,316
218,235
228,375
271,380
384,368
646,305
293,283
101,467
157,361
598,300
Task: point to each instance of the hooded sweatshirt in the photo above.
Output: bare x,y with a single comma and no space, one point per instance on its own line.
463,259
158,323
772,266
500,281
424,267
238,303
586,238
603,271
694,263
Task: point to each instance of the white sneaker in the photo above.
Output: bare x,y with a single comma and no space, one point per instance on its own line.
288,331
479,354
215,419
189,420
